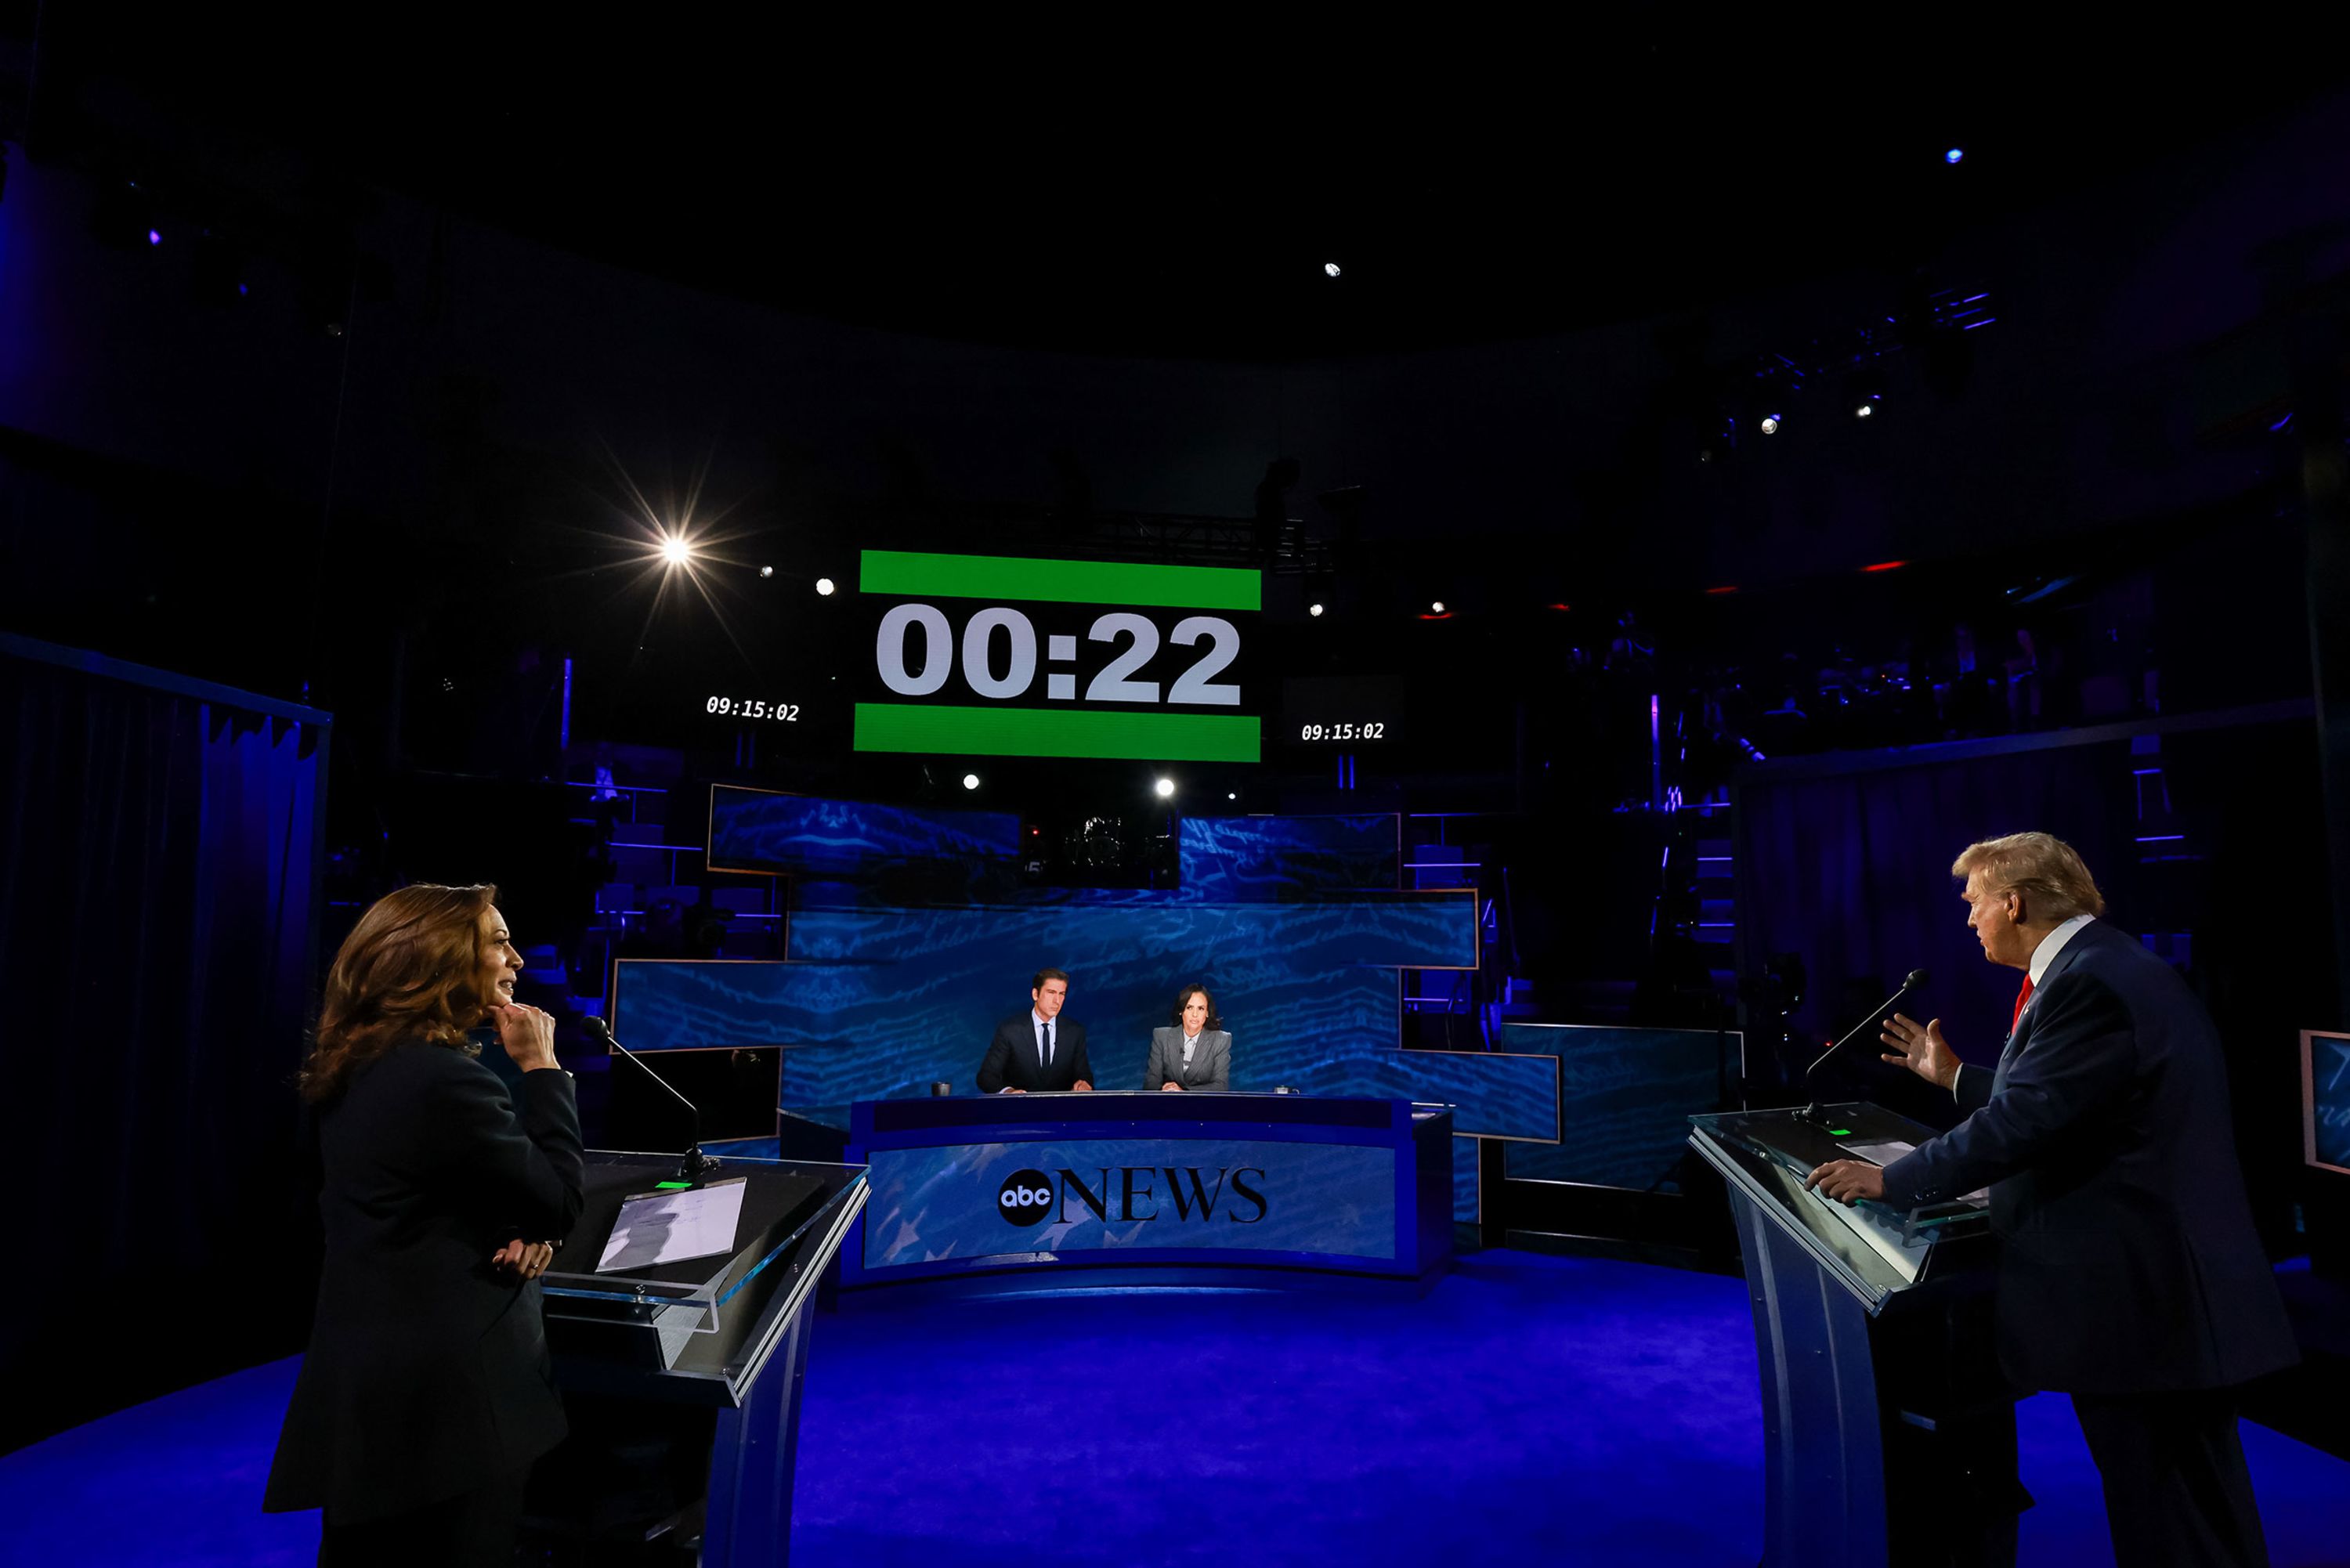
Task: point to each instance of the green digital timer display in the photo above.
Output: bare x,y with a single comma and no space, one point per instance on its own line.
1011,656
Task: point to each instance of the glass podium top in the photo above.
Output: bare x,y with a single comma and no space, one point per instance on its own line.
1875,1249
711,1319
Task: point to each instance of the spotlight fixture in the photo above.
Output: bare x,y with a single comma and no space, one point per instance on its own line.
675,550
1864,411
767,571
1770,424
155,236
971,781
1436,606
1954,155
1331,268
1164,789
1232,795
823,586
1313,610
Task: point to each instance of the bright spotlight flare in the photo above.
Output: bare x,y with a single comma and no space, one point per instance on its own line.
1770,424
675,550
1330,268
1164,788
971,781
824,586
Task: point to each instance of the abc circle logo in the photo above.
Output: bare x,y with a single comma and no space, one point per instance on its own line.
1025,1197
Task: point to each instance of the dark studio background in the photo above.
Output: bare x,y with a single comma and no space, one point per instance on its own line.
446,318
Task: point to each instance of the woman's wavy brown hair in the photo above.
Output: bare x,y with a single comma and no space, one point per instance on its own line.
405,972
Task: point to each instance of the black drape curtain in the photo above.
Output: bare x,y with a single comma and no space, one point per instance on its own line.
1852,872
159,904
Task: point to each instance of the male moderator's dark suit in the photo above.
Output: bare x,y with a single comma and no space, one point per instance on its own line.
2130,1275
1012,1062
428,1375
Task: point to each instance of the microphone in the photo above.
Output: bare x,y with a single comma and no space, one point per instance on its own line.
693,1162
1813,1112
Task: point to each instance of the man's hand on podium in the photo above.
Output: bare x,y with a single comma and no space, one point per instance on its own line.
1921,1048
1081,1084
1847,1180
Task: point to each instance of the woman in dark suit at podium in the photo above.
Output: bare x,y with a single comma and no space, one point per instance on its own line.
1193,1051
427,1393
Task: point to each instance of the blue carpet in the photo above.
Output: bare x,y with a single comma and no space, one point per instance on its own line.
1528,1409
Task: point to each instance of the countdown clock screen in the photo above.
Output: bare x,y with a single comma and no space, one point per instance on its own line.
1006,656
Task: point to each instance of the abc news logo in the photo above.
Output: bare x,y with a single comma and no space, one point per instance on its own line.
1133,1192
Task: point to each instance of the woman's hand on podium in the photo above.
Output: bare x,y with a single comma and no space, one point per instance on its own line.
526,1033
1921,1048
520,1261
1847,1180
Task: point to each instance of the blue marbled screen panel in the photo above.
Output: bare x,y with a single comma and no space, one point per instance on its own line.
2329,1086
1173,941
1493,1096
1629,1094
1272,859
1465,1151
752,830
881,1002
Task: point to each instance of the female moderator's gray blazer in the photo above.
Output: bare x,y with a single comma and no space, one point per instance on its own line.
1211,1060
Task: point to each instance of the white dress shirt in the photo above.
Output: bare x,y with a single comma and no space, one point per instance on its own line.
1189,1042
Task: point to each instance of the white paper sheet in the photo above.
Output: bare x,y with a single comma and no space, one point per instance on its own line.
664,1227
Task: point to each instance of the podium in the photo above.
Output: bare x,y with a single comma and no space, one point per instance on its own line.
697,1355
1889,1433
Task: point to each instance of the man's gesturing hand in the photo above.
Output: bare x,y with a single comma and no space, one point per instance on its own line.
1847,1180
1921,1048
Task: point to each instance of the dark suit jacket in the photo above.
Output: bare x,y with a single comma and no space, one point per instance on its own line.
2129,1262
427,1375
1012,1061
1211,1060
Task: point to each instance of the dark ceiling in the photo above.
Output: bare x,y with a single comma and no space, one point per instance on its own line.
1176,194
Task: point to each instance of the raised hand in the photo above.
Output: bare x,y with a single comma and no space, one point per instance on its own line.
1921,1048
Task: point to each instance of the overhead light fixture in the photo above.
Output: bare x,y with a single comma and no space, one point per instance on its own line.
1331,268
675,550
971,781
1864,411
1770,424
767,571
1954,155
1313,610
823,586
1436,606
1164,788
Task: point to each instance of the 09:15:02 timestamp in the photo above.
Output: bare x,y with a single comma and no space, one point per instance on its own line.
734,708
1375,732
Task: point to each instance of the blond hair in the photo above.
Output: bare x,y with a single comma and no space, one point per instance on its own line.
2048,871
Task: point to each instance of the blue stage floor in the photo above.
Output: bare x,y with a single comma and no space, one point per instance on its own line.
1528,1410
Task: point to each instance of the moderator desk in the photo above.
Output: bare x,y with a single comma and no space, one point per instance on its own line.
1045,1190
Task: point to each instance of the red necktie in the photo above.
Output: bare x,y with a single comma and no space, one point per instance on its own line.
2021,997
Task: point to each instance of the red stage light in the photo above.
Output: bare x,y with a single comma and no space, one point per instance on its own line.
1725,588
1886,567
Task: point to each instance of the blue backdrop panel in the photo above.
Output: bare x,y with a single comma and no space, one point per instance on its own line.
673,1004
1169,943
1465,1152
753,830
1228,1194
1271,860
1491,1095
1629,1094
1295,1026
2329,1089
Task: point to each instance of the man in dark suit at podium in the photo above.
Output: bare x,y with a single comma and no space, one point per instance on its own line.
1037,1049
2130,1276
